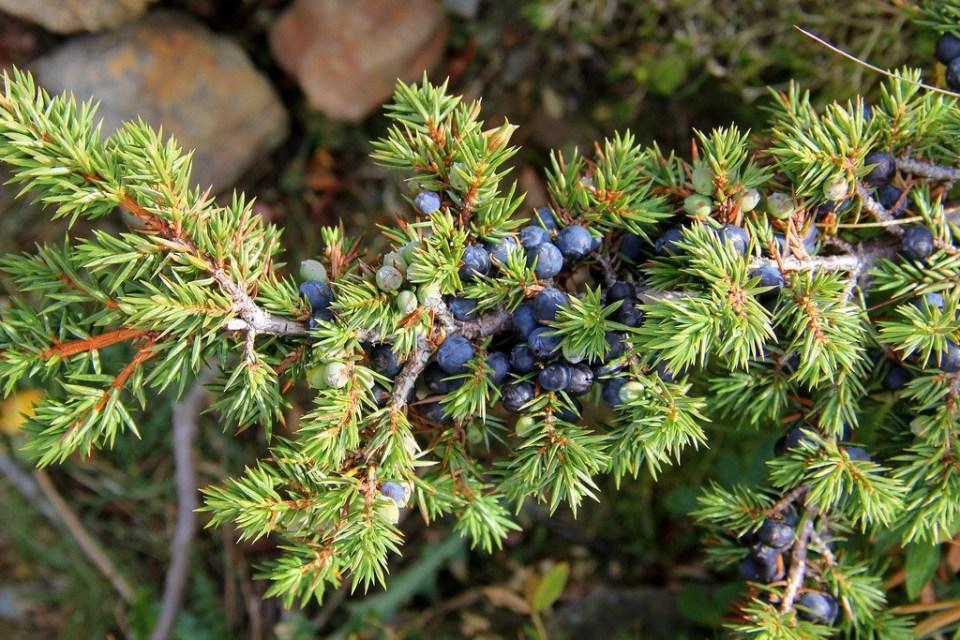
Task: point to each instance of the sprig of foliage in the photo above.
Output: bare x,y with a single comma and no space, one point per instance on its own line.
110,320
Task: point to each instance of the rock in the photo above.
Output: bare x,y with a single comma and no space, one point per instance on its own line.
67,16
347,56
175,73
463,8
19,42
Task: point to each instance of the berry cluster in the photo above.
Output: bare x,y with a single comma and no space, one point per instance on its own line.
525,358
768,562
769,557
482,316
948,52
917,242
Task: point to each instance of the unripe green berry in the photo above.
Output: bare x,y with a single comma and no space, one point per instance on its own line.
313,270
409,252
395,260
632,391
389,278
315,377
702,180
336,375
779,205
389,510
526,425
749,200
406,302
697,205
836,190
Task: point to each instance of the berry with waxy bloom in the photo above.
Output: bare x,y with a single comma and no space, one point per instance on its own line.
546,303
554,377
546,260
818,607
917,243
427,202
516,395
574,242
454,354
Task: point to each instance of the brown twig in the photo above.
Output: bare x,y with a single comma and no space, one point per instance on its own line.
185,414
486,325
407,378
93,343
251,600
789,498
823,548
90,547
145,353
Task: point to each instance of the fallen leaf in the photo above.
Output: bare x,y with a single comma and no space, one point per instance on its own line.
506,599
472,624
17,409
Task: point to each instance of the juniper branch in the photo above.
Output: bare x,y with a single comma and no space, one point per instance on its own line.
487,324
929,170
330,493
788,499
823,548
253,318
880,212
798,561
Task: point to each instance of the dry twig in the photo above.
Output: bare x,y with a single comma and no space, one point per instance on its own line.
185,414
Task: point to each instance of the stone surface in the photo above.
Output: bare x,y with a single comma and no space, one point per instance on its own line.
347,56
67,16
175,73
